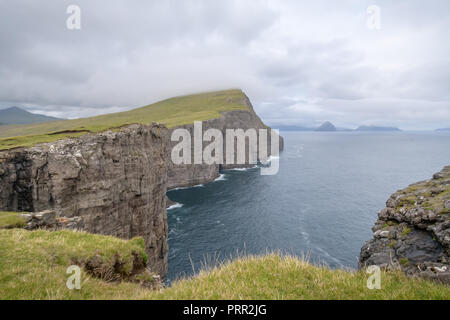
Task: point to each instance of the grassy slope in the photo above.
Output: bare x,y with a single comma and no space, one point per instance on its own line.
33,265
276,277
11,220
172,112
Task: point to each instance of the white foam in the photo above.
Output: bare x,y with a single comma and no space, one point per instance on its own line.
174,206
198,185
221,177
178,188
184,188
242,169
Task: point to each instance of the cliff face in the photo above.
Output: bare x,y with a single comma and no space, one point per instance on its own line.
413,231
190,174
111,183
114,181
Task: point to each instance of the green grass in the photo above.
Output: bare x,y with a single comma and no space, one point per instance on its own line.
171,112
11,220
284,277
407,202
434,193
33,266
404,261
406,231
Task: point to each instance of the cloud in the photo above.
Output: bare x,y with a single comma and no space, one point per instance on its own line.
300,61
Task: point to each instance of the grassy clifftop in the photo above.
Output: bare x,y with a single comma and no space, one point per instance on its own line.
171,112
33,266
283,277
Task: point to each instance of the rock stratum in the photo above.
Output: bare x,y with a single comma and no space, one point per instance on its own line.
112,182
413,232
186,175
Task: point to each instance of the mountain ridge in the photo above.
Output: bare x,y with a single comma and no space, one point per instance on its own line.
376,128
328,126
18,116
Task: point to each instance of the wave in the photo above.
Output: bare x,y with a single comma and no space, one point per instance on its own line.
184,188
178,188
241,169
221,177
174,206
198,186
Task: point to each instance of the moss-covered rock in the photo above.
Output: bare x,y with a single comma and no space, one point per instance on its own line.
417,222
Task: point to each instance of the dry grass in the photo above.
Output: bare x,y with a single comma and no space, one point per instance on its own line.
274,276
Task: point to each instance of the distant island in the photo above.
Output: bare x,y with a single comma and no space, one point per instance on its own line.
15,115
376,128
443,129
327,126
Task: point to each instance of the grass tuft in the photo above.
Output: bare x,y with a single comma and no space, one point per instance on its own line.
9,220
33,265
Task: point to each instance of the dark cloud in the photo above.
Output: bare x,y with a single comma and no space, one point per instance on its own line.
300,61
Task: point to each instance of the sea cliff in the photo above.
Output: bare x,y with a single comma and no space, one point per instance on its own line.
413,232
194,174
113,182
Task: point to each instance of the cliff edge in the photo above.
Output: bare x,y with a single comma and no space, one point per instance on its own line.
185,175
114,182
109,174
413,232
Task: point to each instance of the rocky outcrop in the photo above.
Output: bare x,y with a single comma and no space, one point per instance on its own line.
113,181
194,174
48,220
413,232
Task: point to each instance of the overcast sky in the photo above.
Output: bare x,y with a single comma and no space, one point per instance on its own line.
300,62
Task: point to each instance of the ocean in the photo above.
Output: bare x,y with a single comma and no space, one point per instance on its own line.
321,205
